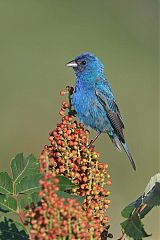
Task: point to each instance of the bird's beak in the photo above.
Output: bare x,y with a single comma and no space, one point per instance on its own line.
72,64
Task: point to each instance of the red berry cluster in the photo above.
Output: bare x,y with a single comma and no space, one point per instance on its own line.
59,218
69,155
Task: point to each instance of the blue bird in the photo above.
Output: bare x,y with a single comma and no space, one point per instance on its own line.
94,102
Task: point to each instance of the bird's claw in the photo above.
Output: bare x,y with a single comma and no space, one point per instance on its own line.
70,90
72,113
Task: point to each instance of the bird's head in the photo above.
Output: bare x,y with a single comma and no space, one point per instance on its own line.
86,64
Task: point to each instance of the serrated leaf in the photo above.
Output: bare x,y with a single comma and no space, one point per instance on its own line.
10,229
6,184
151,199
65,183
29,184
22,166
28,199
8,202
134,228
62,194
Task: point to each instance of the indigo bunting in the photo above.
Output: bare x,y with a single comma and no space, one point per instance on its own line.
94,102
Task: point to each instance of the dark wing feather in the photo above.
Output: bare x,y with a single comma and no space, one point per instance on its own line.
113,112
106,98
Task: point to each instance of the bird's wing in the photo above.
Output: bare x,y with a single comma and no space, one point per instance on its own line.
106,98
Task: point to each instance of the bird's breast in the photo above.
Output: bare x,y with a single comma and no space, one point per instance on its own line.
90,111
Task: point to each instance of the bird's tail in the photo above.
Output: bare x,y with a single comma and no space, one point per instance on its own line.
125,146
115,141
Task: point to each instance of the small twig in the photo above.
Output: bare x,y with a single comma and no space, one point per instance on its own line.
122,237
142,207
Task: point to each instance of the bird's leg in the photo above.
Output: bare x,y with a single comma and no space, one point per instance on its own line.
71,112
94,139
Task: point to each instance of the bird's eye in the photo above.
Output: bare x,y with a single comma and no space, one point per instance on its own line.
83,62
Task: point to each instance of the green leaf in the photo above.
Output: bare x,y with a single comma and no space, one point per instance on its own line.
145,211
29,184
150,198
22,166
11,230
62,194
9,203
65,183
127,211
153,196
140,207
3,210
134,228
28,199
6,184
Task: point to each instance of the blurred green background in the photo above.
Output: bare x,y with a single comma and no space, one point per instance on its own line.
37,38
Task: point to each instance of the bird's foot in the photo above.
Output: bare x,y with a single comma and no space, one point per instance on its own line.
70,90
72,112
92,141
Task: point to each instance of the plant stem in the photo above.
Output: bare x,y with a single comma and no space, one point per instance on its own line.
21,216
122,237
69,227
24,223
19,212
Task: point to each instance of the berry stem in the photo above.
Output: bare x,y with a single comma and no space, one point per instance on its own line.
69,227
